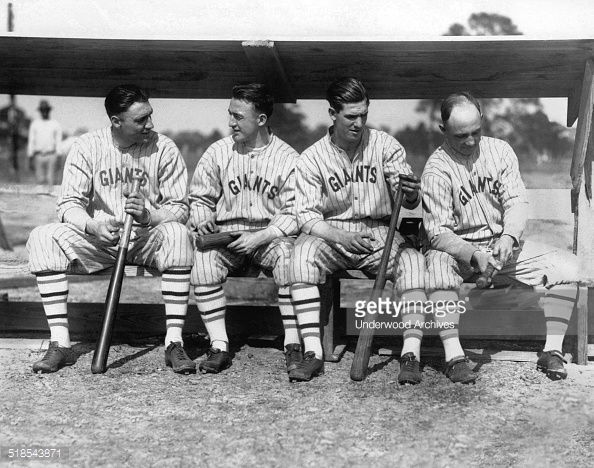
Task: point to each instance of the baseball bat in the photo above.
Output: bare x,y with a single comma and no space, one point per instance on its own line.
483,281
363,350
99,364
218,239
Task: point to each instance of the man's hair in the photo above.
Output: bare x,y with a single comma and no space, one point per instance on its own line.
457,99
257,94
122,97
346,91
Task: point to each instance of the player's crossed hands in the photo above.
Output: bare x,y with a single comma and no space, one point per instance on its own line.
106,233
357,242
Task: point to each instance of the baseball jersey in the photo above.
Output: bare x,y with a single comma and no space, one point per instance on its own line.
344,193
474,198
97,173
45,136
240,188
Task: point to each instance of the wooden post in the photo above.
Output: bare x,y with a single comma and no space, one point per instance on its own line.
4,242
581,200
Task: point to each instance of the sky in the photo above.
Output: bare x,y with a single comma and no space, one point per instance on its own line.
273,20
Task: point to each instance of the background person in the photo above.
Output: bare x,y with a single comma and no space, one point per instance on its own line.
45,137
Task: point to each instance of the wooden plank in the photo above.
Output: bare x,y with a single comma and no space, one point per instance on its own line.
583,132
480,355
573,105
133,320
501,67
582,325
267,66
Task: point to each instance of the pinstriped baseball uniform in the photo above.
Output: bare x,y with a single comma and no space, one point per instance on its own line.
240,188
353,196
468,203
96,175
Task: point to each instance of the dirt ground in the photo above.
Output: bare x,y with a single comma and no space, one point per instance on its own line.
141,414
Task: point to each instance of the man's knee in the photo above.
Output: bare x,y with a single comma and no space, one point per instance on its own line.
411,271
441,271
176,244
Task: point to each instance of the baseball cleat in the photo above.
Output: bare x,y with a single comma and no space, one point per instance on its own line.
216,361
458,371
310,367
410,372
55,358
178,360
551,363
293,356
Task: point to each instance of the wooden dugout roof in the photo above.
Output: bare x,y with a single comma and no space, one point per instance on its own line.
298,69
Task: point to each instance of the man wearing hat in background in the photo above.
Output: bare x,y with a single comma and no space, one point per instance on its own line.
45,136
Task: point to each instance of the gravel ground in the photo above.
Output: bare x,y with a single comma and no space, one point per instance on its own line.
141,414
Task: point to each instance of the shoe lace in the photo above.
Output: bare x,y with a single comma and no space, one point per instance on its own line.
178,352
50,354
409,365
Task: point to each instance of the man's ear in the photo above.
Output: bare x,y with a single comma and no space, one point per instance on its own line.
262,119
115,121
332,113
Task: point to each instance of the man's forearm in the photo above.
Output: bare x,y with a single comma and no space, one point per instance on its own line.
329,233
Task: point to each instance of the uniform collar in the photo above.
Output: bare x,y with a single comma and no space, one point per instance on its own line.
360,148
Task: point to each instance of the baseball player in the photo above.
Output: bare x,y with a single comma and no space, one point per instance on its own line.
45,137
92,205
475,210
245,181
344,185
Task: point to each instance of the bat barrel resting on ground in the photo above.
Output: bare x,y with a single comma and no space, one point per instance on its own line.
363,350
218,239
99,364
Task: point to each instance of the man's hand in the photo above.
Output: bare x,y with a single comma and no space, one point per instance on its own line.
356,242
411,188
481,260
207,227
32,161
504,249
135,207
106,233
247,242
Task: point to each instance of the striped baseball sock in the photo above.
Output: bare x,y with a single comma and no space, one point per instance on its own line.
53,288
412,313
175,286
449,336
306,299
288,315
558,307
212,306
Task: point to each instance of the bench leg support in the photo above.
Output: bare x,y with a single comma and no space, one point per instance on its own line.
331,320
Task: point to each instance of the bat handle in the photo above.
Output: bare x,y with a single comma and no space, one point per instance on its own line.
129,220
483,281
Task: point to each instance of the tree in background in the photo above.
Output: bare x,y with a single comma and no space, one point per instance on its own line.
521,122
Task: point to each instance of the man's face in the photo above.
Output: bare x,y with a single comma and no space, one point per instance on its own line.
350,121
245,121
463,129
135,125
45,112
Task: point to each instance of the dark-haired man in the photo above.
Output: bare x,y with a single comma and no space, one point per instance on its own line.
345,182
244,182
93,203
474,212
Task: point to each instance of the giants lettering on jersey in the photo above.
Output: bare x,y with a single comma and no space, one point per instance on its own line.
258,185
485,184
360,173
113,176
